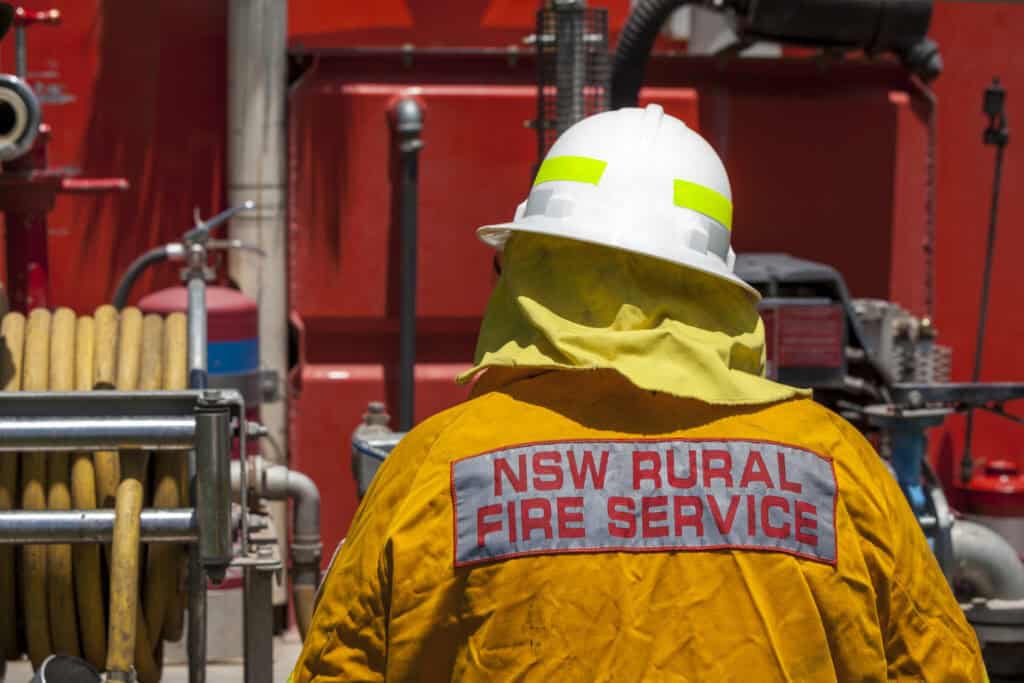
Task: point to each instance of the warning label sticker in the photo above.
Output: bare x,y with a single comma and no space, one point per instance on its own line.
643,496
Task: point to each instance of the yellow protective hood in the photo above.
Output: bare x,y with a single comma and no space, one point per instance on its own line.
568,305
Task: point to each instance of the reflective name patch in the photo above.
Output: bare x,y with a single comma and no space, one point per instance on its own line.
643,496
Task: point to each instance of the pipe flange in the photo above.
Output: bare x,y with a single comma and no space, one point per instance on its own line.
306,553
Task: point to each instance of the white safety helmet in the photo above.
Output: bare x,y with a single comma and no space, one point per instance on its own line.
637,180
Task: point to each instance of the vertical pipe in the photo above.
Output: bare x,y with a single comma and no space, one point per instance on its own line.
257,172
196,617
197,333
197,349
257,82
407,119
258,627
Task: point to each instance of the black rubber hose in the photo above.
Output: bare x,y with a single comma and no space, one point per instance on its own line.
635,44
124,287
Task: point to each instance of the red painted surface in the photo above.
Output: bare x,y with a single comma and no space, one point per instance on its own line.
423,23
134,90
978,42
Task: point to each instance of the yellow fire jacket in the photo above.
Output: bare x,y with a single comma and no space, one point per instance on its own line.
568,526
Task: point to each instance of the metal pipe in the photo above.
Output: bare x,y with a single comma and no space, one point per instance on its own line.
95,433
213,489
258,625
197,331
196,644
257,65
197,379
986,562
275,482
17,527
407,119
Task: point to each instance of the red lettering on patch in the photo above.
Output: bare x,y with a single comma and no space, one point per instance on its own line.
623,523
725,526
552,471
767,504
579,472
721,471
643,495
651,514
570,511
755,471
640,473
806,516
501,467
530,522
484,527
691,476
784,483
694,519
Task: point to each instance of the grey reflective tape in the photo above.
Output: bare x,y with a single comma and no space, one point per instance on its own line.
643,496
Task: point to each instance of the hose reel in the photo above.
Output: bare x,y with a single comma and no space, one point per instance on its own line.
113,606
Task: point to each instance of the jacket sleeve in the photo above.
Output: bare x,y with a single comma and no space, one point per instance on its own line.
347,640
926,636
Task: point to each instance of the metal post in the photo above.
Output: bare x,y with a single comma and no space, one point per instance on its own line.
258,627
995,134
407,118
196,617
213,488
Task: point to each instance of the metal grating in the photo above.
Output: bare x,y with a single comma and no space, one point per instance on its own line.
572,67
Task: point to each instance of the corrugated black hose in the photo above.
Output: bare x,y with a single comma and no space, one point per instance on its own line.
634,48
137,267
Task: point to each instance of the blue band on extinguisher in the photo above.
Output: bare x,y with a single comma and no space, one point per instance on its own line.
233,356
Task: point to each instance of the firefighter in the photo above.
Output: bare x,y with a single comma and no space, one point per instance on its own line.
625,497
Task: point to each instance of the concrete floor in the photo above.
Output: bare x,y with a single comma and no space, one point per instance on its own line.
286,651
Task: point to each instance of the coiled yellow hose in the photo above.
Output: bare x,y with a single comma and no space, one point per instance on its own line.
33,496
88,572
62,587
12,332
63,621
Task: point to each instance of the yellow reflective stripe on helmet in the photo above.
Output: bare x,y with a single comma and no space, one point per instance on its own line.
575,169
703,200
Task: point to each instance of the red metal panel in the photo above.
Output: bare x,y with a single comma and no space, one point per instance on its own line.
132,89
423,23
326,411
979,41
825,164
